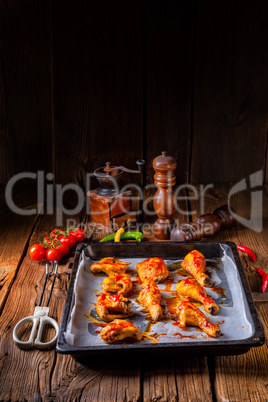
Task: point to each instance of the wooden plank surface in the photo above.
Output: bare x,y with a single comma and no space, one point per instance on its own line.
48,375
15,231
26,139
168,64
33,365
178,378
97,380
244,377
266,164
230,91
118,69
98,86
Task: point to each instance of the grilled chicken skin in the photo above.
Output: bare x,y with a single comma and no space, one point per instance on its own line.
117,284
188,314
110,307
190,289
153,268
118,330
150,297
109,265
195,264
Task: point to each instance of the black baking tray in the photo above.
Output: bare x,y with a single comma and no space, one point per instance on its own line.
168,250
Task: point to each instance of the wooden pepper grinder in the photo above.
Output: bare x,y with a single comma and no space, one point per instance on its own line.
205,226
164,200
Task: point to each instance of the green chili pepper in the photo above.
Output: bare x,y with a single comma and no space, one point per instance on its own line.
125,236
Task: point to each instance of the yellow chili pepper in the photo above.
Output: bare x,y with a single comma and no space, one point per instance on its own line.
118,234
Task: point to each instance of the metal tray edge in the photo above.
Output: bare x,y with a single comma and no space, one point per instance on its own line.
237,347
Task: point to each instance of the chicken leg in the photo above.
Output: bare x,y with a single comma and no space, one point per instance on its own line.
188,314
110,265
153,268
117,284
195,264
190,289
150,297
118,330
110,307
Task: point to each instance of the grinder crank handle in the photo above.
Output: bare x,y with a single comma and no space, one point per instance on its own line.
140,164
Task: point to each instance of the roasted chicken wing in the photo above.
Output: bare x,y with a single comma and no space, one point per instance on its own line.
117,284
150,297
190,289
195,264
188,314
109,265
110,307
118,330
153,268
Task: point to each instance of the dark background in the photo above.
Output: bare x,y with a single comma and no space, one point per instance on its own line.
89,81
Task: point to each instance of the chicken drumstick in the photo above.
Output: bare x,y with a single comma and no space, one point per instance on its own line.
118,330
110,266
190,289
110,307
150,296
153,268
195,264
117,284
191,315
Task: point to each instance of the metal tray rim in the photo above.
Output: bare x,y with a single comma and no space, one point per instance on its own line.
257,339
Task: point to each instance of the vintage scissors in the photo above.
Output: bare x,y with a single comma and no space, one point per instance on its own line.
40,318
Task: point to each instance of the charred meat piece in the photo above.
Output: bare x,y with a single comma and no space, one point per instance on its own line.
195,264
150,297
110,307
117,284
188,314
153,268
109,265
190,290
118,330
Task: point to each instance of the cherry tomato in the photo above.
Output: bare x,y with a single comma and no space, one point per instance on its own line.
63,248
69,241
55,232
78,234
53,254
48,240
37,252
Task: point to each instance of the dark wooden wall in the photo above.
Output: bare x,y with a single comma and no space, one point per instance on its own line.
89,81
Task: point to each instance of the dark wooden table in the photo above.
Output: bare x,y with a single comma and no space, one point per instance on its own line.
44,375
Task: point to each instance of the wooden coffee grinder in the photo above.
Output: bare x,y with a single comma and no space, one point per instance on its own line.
164,200
110,208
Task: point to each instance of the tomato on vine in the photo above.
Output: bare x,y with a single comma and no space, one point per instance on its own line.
53,254
78,234
57,244
48,240
37,252
68,240
56,232
63,248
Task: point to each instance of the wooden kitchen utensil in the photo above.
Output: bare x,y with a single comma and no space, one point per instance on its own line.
164,200
205,226
110,207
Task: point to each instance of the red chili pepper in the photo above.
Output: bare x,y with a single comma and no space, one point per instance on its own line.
247,250
264,277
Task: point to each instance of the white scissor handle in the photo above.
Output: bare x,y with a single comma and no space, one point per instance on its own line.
35,341
27,344
44,345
